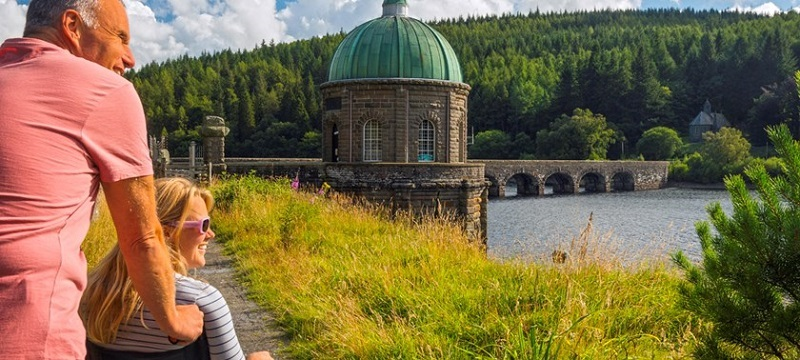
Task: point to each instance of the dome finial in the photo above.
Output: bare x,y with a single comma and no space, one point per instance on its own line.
395,8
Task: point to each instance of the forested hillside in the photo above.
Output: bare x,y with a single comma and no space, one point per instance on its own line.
639,69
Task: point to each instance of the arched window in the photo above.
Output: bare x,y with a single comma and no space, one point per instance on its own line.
427,141
372,141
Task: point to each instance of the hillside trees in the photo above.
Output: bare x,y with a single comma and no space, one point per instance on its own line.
640,69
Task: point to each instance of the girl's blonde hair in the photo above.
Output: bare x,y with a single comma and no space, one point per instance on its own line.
110,299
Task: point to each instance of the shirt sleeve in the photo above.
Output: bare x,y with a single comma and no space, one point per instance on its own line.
115,136
222,341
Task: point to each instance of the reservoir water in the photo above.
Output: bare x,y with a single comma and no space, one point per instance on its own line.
625,225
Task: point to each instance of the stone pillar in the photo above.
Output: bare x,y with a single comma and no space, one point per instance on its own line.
497,190
540,183
192,150
153,143
214,132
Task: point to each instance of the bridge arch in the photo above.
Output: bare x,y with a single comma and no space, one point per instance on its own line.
560,183
575,176
623,181
526,184
592,182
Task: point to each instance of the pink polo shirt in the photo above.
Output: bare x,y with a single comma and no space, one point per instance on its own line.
65,125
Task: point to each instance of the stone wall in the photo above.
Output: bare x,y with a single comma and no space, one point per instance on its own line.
400,106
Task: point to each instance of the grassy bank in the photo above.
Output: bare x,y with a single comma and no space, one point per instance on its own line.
346,282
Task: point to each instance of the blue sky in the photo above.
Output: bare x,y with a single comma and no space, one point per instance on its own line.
163,29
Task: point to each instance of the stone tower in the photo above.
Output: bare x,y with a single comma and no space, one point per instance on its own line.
395,120
395,94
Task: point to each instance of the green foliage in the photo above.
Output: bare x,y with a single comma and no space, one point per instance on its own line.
678,170
698,169
659,143
774,166
724,152
491,144
578,137
776,105
747,284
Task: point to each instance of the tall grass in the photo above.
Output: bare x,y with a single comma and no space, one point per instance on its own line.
346,282
101,236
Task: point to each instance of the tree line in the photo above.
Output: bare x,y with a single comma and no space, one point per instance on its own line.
635,69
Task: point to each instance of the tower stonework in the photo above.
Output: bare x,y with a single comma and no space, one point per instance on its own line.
395,121
402,107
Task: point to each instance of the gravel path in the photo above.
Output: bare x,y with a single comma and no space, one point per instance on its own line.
255,327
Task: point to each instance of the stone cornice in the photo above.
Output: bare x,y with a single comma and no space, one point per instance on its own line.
397,81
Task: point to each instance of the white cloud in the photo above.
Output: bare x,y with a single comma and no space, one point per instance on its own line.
12,19
768,9
307,18
234,24
430,10
150,39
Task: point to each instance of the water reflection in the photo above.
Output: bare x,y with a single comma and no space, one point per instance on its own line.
628,224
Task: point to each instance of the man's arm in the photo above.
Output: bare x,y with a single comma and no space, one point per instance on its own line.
141,240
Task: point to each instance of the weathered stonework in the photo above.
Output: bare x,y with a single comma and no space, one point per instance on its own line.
567,176
214,132
400,106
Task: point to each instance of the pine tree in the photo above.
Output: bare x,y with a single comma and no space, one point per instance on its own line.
748,284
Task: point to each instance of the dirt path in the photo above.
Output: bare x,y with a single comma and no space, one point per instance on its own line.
255,327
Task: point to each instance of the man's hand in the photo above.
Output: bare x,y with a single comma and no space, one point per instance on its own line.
188,325
261,355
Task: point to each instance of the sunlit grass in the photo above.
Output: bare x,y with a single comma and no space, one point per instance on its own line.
347,282
101,237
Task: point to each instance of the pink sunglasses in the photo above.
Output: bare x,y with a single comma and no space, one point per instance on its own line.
201,225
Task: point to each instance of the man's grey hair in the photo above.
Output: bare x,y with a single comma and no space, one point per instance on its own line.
45,13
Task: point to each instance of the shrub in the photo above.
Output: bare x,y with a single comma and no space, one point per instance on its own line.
678,170
773,166
659,143
748,283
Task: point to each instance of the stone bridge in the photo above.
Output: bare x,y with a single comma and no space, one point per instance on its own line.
532,177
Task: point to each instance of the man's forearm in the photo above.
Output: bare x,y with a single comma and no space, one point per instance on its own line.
141,240
149,267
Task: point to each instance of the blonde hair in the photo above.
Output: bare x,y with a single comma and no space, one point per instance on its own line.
110,299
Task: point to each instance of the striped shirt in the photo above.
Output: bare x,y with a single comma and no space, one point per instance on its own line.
218,324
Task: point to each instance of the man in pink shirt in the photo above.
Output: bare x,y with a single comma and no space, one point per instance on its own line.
68,125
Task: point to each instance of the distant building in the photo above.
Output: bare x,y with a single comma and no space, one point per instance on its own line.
706,120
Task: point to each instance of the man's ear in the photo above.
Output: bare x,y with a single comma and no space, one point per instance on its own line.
70,27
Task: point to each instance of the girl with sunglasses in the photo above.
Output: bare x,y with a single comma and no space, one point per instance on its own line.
112,310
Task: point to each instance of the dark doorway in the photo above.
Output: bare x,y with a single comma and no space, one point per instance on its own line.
335,144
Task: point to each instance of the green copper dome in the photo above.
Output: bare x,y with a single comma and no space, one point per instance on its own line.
394,46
